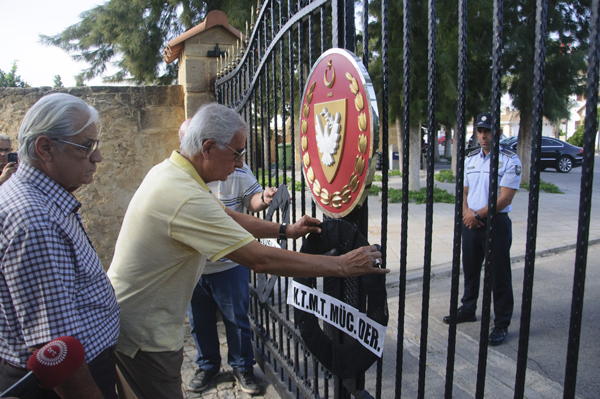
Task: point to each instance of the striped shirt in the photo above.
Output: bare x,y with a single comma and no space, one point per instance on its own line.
235,193
51,280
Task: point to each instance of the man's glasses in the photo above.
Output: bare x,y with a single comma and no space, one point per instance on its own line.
239,154
5,150
89,149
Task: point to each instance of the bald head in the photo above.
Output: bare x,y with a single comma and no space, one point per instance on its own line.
183,128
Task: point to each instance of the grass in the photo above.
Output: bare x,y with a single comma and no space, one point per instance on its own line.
419,197
545,186
394,172
444,175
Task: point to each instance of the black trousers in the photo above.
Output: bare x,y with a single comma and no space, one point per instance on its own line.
473,245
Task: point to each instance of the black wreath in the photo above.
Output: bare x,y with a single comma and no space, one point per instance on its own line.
350,358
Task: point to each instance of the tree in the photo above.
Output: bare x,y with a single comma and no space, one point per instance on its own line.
479,47
11,79
566,50
79,80
132,36
57,81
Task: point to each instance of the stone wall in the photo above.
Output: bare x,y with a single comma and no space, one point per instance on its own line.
139,130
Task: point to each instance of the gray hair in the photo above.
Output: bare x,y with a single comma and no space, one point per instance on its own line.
212,121
5,137
55,117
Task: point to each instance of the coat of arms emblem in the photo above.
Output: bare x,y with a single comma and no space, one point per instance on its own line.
339,132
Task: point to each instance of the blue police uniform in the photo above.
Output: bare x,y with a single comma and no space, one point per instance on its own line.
477,174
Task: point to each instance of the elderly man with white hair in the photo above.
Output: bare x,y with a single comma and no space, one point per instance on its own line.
172,225
52,282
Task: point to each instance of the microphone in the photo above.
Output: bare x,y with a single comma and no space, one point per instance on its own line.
49,366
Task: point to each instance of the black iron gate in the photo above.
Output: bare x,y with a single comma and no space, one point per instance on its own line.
264,82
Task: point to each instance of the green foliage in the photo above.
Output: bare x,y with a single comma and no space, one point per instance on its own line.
577,137
375,190
568,25
444,175
395,172
58,81
133,34
11,79
544,186
378,178
79,80
419,197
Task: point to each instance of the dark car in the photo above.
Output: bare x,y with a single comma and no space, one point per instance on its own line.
555,153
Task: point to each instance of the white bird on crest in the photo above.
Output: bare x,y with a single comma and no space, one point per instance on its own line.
328,138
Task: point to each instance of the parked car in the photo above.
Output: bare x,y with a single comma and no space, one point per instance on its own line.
555,153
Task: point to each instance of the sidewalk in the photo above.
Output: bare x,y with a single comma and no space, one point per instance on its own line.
556,232
556,227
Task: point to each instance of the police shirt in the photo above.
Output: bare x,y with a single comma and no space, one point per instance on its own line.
477,176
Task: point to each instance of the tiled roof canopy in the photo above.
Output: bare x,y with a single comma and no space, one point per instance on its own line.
213,18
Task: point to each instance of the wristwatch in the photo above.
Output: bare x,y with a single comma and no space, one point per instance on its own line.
476,215
282,228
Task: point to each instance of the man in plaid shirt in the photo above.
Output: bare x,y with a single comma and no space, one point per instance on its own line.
52,283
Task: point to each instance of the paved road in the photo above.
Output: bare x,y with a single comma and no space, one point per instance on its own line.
547,345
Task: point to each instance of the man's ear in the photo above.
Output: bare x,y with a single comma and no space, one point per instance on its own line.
45,149
207,147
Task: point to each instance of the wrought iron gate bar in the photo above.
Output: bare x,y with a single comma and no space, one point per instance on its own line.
404,223
585,203
431,127
492,197
297,18
534,190
460,135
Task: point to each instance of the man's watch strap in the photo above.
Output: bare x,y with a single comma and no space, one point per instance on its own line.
282,228
476,215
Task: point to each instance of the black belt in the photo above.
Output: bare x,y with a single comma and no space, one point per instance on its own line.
14,366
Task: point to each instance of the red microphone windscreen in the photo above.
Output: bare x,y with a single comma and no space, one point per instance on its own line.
56,361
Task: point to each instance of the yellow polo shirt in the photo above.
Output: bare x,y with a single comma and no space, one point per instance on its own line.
173,223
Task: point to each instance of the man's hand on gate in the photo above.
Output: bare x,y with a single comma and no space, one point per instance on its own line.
302,227
363,260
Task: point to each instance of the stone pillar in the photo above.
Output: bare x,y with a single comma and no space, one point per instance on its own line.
195,50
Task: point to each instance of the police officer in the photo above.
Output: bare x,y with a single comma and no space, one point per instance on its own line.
475,213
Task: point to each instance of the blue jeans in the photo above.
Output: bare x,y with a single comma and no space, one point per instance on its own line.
229,292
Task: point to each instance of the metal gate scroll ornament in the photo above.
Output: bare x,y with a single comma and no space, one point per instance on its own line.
339,130
339,133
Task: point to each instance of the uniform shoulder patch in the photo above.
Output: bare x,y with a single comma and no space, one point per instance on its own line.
508,152
472,151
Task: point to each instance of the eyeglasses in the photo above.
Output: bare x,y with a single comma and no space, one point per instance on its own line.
5,150
239,154
89,149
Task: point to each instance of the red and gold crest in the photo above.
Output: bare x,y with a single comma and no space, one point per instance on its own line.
339,129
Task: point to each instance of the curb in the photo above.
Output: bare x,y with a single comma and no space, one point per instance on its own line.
444,270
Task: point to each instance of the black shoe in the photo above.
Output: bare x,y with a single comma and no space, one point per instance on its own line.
247,381
498,336
462,316
201,380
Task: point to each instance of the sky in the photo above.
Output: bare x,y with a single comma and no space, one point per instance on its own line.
20,24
